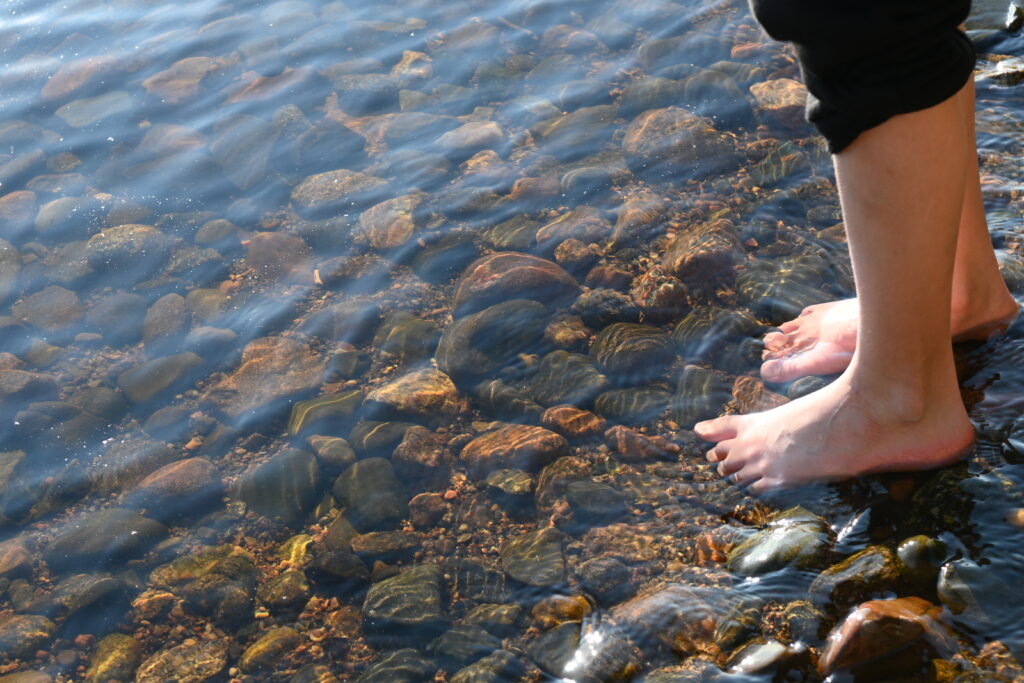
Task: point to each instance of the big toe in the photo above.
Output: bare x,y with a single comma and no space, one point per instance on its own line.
718,429
820,360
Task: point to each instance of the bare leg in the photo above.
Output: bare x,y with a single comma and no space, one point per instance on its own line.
897,405
822,340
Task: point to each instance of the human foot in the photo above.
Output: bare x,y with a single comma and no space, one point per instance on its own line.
836,433
821,340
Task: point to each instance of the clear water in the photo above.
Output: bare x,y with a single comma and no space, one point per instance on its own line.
124,349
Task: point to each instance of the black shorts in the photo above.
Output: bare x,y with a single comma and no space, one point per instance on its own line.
864,61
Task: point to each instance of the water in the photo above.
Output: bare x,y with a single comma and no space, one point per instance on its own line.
267,417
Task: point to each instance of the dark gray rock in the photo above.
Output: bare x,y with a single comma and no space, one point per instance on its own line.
535,558
409,604
159,377
373,496
284,488
399,666
103,537
483,342
793,538
565,377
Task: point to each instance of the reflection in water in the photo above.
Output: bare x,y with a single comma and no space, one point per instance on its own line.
362,341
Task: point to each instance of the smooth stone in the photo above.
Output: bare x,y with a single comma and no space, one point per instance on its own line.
554,649
632,406
483,342
594,503
508,275
18,387
118,317
421,457
443,259
921,558
242,146
378,439
574,135
700,395
386,546
334,413
793,538
103,537
462,645
506,402
634,446
52,310
706,329
535,558
499,666
584,223
337,191
10,266
117,656
132,251
606,578
399,666
347,365
192,660
565,377
975,595
21,635
868,573
339,569
715,94
514,234
642,94
513,446
706,253
354,321
68,218
284,488
183,488
499,620
409,603
425,394
83,601
159,377
277,256
391,223
406,338
373,496
633,353
15,560
475,581
318,148
269,648
675,143
287,592
333,453
164,324
572,422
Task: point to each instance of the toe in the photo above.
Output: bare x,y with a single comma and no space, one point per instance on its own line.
717,429
791,325
821,360
720,451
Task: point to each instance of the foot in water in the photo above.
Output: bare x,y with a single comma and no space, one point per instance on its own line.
821,341
837,433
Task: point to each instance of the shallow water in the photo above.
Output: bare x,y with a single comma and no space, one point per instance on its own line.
363,341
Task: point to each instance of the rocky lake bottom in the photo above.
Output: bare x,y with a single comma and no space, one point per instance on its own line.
344,341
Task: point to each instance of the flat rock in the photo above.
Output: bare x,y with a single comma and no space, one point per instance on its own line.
513,446
408,602
184,487
102,537
192,661
425,394
672,141
158,377
53,309
337,191
283,488
509,275
535,558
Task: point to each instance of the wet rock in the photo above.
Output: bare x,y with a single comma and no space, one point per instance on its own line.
602,307
425,394
574,135
426,510
334,412
512,489
118,317
634,353
284,488
632,446
521,446
462,645
565,377
575,256
409,603
606,578
706,329
634,405
500,665
127,250
500,620
347,365
421,456
793,538
159,377
714,94
413,169
507,275
339,569
353,321
869,573
117,656
193,661
17,211
704,254
407,338
269,649
483,342
21,635
700,395
567,332
469,138
15,560
878,632
378,439
273,370
336,192
104,536
69,218
674,142
18,387
373,496
780,289
781,102
515,234
391,223
649,93
164,324
921,557
584,223
554,649
442,260
333,453
276,255
752,396
318,149
53,310
768,656
10,265
399,666
188,486
241,145
182,80
386,546
535,558
286,592
594,503
573,422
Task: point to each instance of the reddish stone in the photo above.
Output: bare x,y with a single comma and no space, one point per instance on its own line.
182,79
882,628
608,277
661,296
427,509
678,140
519,446
75,74
262,88
636,447
584,223
192,479
15,560
705,253
752,396
575,255
782,100
510,275
573,422
421,454
273,255
17,209
638,218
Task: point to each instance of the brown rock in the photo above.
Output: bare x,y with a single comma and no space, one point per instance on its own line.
535,191
334,191
659,295
703,254
421,454
584,223
782,100
682,617
389,224
15,560
567,332
883,628
636,447
185,483
427,509
572,422
182,79
17,209
675,141
752,396
50,310
513,446
604,276
262,88
276,255
272,369
575,256
23,386
427,393
565,38
75,75
509,275
638,218
471,137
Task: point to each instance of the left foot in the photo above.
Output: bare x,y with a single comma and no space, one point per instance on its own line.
837,433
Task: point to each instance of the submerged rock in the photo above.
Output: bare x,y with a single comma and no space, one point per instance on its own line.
673,142
519,446
535,558
483,342
283,488
426,394
508,275
793,538
192,661
633,353
409,604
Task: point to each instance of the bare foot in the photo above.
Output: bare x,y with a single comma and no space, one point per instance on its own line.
836,433
821,340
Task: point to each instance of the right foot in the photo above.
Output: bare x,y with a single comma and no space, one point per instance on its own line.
821,340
